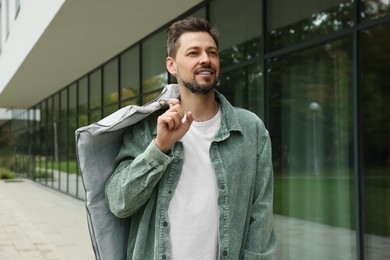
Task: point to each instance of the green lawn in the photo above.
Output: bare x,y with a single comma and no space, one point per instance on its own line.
331,200
61,166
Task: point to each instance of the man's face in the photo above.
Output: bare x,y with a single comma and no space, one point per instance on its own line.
196,65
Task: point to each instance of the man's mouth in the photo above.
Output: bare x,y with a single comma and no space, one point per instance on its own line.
207,72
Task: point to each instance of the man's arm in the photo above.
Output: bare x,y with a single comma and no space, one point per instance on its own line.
137,173
261,241
140,167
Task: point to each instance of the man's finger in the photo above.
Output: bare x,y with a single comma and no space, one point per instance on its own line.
188,119
173,101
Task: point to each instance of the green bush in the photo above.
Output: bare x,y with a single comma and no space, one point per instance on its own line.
6,174
7,161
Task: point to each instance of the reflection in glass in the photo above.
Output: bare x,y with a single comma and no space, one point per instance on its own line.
51,151
83,102
95,115
60,167
375,54
232,19
95,89
72,122
153,64
150,96
35,149
42,143
108,110
243,88
54,111
372,9
95,95
110,84
72,126
55,135
129,76
311,127
293,23
128,102
61,140
240,52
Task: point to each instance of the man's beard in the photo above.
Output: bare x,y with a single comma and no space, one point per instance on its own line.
198,89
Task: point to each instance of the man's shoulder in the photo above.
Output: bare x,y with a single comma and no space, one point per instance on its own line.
247,115
250,121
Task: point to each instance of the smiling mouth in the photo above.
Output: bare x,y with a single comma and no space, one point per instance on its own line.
205,72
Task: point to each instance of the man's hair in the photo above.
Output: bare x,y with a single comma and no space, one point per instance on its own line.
189,24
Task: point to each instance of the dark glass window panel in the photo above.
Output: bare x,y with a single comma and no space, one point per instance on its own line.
290,23
111,83
95,95
244,52
154,71
73,100
238,41
243,88
375,107
130,73
49,110
83,102
72,126
95,89
310,117
42,111
128,102
95,115
110,109
150,96
64,103
56,107
240,51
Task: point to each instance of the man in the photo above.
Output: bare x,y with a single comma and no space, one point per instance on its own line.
196,180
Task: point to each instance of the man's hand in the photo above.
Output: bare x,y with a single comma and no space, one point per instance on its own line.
170,125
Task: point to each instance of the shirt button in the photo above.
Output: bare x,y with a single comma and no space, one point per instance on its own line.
225,253
165,224
164,257
170,192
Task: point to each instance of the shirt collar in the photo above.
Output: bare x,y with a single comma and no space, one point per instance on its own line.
229,120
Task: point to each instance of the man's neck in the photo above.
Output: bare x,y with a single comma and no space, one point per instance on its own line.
203,107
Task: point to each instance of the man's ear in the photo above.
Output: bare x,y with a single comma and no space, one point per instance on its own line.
170,64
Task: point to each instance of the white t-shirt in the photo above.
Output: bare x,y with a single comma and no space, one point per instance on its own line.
193,211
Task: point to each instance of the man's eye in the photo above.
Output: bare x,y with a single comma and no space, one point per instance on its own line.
192,53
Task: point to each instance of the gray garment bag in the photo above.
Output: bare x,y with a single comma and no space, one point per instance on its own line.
97,146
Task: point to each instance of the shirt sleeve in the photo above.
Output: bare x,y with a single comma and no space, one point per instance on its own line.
261,241
138,171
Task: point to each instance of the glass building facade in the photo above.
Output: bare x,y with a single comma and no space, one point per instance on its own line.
316,72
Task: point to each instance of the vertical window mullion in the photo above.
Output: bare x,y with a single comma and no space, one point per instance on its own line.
358,158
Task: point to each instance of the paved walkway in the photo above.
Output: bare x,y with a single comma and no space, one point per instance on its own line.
38,223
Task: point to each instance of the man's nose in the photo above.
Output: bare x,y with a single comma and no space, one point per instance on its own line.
204,58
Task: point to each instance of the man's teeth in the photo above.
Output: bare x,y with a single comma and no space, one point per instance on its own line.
205,73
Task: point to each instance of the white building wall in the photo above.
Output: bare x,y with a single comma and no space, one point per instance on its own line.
25,28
